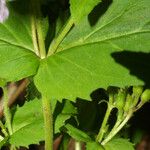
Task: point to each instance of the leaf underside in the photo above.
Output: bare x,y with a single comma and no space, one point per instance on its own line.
17,60
117,144
84,60
28,124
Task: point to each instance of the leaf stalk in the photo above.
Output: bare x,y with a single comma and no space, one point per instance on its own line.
56,42
48,123
7,113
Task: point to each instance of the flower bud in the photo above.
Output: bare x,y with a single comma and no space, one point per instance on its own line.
120,99
145,96
137,91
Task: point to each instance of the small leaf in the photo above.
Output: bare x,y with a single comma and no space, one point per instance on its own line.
67,112
28,124
93,146
69,108
77,134
80,9
119,144
60,121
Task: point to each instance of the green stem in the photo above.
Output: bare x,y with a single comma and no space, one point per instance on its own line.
48,122
7,113
55,43
102,130
34,36
40,39
120,118
3,129
37,33
114,132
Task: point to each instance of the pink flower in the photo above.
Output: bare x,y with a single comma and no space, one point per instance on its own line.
4,13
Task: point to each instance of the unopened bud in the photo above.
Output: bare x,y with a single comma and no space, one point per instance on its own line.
120,99
145,96
137,91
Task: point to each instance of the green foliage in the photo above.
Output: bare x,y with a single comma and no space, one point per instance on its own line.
2,82
77,134
28,124
88,52
94,145
145,96
17,60
124,26
67,112
81,9
14,66
117,144
72,65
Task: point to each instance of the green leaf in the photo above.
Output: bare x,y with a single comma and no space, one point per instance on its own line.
61,76
2,82
85,62
93,146
17,63
66,113
125,25
77,134
28,124
119,144
17,60
81,9
69,108
60,121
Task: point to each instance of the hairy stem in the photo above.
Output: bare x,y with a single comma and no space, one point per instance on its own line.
40,39
3,129
114,132
7,113
37,33
55,43
102,130
34,36
120,118
48,122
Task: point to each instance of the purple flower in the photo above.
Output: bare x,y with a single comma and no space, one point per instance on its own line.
3,11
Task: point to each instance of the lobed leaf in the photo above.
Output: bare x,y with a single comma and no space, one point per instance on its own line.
125,25
28,124
84,60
